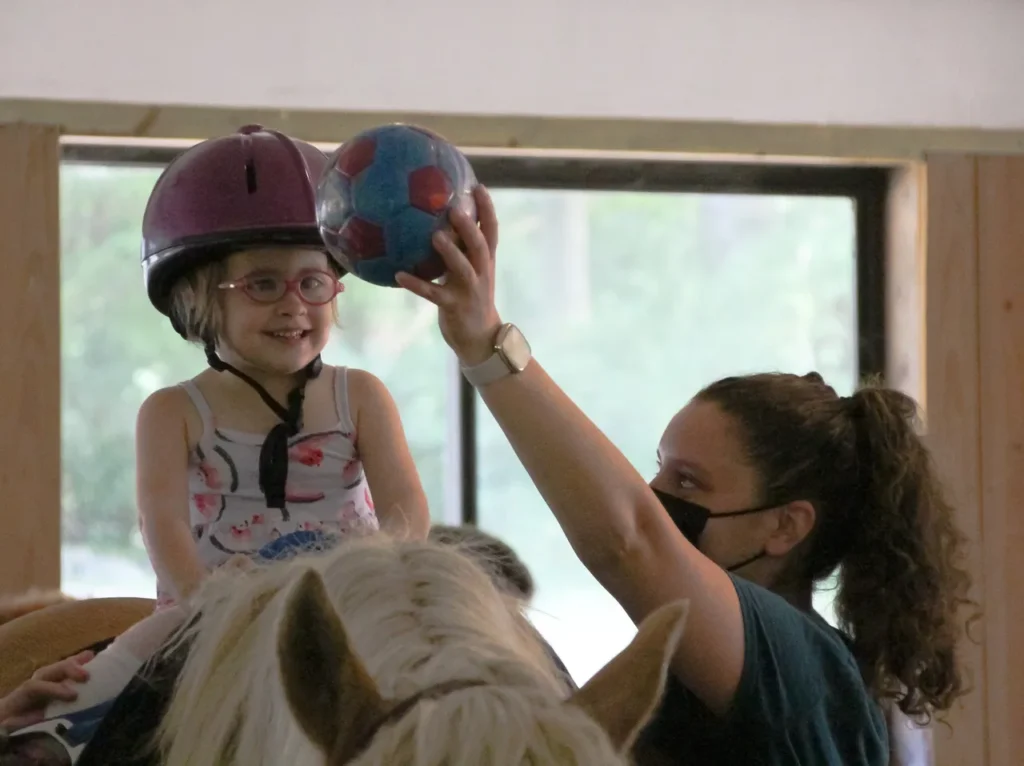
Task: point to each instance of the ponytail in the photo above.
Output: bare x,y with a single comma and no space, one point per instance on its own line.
902,583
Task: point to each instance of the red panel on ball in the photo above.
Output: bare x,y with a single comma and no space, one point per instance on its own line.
362,239
429,189
356,157
431,268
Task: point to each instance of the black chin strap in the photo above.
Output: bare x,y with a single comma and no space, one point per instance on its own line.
274,453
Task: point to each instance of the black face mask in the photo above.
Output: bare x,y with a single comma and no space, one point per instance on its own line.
691,518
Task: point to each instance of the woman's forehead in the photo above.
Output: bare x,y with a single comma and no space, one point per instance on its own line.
701,434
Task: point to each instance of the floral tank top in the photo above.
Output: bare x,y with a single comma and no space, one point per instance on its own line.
326,494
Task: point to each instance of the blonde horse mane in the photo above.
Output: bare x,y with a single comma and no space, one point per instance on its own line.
285,659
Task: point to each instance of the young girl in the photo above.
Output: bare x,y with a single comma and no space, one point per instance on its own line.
766,485
267,451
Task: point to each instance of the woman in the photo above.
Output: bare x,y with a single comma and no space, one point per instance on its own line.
766,484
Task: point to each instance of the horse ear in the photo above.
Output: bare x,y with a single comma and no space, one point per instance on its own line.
329,690
624,694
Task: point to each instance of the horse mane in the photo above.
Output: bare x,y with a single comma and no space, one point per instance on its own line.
504,565
417,614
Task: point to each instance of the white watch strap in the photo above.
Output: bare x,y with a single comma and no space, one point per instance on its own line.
487,372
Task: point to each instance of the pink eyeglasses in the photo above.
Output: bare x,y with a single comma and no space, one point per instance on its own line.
314,288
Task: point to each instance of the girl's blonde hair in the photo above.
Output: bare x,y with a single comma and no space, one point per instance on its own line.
195,302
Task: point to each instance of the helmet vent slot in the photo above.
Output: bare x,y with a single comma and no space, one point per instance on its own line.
250,177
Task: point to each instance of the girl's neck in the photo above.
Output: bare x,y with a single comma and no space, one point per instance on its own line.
275,384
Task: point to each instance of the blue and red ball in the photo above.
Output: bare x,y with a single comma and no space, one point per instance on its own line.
384,194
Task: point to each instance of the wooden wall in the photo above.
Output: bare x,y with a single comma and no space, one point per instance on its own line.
957,342
999,191
29,358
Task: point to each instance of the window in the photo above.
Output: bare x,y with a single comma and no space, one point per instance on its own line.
636,283
114,351
633,301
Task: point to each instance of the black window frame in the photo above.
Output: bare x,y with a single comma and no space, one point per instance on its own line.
866,185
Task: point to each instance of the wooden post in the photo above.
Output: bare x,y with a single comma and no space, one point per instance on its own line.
30,400
1000,206
957,343
952,378
906,346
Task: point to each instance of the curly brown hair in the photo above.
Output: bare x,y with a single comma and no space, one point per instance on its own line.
882,520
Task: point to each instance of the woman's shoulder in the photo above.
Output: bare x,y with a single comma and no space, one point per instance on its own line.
800,681
804,649
801,673
768,612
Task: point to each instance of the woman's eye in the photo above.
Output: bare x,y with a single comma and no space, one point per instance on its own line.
686,482
682,480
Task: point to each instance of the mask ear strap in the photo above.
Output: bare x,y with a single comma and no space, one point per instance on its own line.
747,512
745,562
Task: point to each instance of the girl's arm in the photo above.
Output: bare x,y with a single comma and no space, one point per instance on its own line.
380,439
161,454
615,523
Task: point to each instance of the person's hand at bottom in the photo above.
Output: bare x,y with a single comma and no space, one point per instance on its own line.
26,704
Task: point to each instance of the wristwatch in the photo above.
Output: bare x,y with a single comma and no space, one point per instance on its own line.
511,355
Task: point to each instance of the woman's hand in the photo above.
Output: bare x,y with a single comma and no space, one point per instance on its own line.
467,316
25,705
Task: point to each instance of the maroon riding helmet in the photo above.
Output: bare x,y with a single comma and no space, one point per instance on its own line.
253,188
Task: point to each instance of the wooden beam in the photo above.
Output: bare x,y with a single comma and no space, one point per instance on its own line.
516,132
30,401
905,342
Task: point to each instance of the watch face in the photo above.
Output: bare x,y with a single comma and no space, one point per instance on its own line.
514,347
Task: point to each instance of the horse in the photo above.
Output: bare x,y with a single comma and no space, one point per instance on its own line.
392,651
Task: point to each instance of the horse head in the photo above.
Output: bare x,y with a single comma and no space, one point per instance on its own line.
338,705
